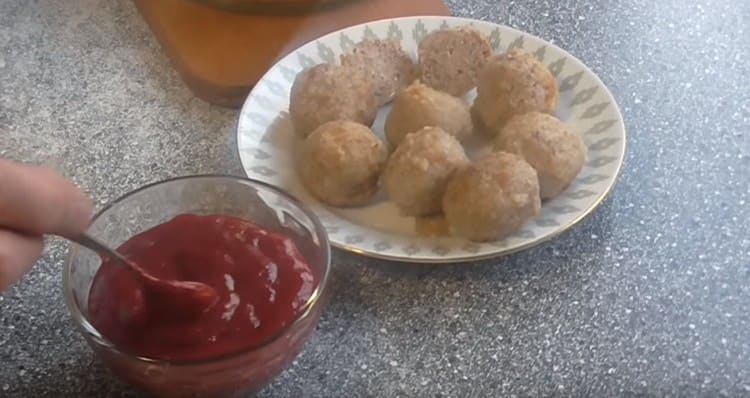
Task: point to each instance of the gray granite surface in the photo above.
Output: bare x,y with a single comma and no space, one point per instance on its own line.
650,296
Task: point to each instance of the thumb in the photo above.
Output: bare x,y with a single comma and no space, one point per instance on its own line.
38,200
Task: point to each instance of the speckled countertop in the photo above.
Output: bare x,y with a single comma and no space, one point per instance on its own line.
649,296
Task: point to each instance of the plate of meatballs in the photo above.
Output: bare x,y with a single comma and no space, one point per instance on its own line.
434,139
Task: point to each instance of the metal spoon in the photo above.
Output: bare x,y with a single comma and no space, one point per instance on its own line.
188,293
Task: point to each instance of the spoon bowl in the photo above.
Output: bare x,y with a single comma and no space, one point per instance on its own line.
189,296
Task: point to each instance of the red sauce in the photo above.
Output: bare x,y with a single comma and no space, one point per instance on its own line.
261,279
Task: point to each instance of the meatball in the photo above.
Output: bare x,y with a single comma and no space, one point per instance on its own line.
491,198
511,84
548,145
387,65
419,106
325,92
341,162
418,170
450,59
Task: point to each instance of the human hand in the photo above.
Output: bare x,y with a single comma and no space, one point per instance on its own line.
35,201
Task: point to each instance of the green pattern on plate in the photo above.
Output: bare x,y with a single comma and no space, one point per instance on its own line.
600,127
444,25
419,31
579,194
263,102
524,234
584,96
547,222
346,43
383,246
260,154
539,53
495,39
556,67
255,135
571,81
275,88
369,34
603,143
594,110
440,250
289,74
592,179
411,250
326,54
601,161
354,239
471,248
258,118
394,32
305,61
517,43
564,209
263,170
500,244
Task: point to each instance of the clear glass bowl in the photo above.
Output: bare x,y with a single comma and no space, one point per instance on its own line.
231,375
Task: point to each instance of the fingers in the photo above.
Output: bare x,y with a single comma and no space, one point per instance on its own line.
37,200
18,253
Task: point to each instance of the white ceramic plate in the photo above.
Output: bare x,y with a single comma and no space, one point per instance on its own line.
266,139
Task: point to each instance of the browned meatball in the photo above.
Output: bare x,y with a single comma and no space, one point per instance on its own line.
491,198
325,92
418,170
450,59
388,66
549,146
419,106
513,83
341,162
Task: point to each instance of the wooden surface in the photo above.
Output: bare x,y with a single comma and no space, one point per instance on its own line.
221,55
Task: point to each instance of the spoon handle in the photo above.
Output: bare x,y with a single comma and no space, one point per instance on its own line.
94,244
199,293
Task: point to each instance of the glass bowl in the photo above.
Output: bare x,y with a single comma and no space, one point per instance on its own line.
234,374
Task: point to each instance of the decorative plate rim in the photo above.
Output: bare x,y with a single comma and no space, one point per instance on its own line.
499,252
